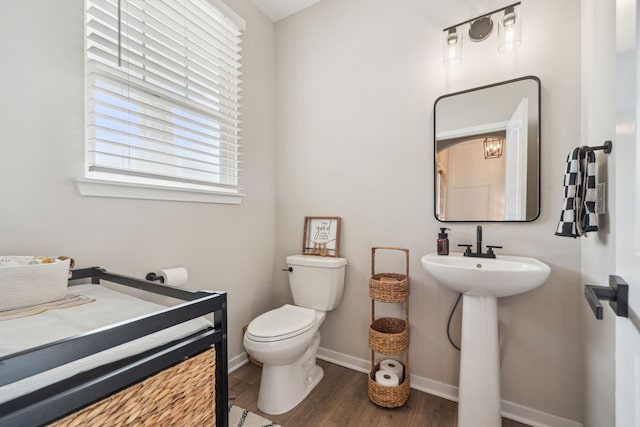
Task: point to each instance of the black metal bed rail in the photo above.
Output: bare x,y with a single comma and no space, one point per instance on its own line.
97,273
30,362
71,394
58,400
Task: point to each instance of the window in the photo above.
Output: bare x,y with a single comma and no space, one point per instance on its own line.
162,82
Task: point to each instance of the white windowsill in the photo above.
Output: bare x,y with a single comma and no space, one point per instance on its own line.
106,188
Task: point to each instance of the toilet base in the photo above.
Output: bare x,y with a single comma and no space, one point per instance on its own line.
283,387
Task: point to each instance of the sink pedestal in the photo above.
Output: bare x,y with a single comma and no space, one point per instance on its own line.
479,392
482,281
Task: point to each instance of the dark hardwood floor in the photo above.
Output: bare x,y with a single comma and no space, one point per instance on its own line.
341,400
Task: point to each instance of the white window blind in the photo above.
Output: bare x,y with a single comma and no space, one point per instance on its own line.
163,81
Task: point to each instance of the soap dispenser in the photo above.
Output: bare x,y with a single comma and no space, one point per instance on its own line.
443,242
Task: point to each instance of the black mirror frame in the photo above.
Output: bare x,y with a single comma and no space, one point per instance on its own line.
539,93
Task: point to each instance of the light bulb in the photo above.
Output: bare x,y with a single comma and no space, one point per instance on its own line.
509,31
452,37
509,17
452,49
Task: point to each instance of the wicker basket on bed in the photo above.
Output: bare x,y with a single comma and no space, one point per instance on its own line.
183,395
23,284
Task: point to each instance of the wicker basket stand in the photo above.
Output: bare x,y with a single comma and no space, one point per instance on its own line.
388,335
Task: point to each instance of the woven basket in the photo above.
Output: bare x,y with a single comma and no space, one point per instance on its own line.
389,335
389,287
389,396
183,395
23,284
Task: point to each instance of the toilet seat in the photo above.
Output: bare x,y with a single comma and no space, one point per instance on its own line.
285,322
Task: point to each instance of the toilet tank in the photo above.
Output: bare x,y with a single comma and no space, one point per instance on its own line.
316,282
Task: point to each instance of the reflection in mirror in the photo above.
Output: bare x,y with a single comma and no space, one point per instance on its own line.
487,153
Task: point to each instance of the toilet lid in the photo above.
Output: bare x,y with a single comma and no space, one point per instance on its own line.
281,323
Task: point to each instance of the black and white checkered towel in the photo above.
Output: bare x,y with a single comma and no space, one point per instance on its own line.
579,207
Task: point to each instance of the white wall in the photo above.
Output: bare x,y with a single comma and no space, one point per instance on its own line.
355,85
598,251
41,107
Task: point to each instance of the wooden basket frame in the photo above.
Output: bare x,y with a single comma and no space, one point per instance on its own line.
388,335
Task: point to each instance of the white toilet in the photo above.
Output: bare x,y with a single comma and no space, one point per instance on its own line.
286,339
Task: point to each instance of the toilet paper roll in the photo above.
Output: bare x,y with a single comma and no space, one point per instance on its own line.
387,378
177,276
394,366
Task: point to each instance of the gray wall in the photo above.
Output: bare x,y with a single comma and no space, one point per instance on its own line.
224,247
356,81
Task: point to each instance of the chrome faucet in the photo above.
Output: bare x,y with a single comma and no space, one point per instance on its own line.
478,253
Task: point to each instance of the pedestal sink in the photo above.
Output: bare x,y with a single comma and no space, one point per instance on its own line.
482,281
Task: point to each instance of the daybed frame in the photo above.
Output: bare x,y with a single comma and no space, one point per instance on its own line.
71,395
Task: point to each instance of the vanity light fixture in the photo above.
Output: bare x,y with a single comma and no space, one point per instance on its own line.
480,28
493,147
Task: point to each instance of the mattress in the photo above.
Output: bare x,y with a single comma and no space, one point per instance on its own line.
108,308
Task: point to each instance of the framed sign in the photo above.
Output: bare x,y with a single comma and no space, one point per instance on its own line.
321,235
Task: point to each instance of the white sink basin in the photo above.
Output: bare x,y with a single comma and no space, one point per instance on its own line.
500,277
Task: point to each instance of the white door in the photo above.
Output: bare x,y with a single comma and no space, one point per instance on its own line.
515,176
627,217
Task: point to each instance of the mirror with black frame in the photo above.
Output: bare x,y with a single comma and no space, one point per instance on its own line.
487,153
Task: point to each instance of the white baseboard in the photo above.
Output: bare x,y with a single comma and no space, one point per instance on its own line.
237,362
510,410
341,359
534,417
